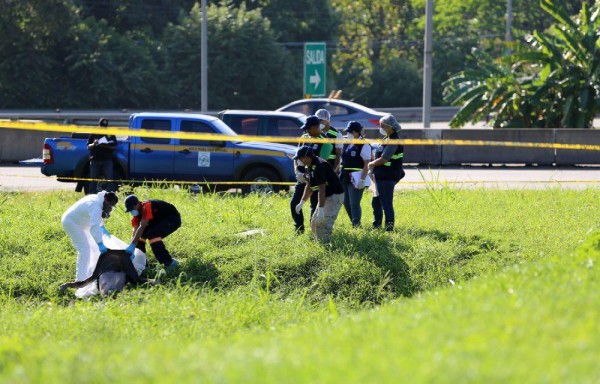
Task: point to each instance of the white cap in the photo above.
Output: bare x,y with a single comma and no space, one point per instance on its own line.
323,114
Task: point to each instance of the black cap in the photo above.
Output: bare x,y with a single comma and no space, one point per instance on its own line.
103,122
353,126
131,202
311,120
303,151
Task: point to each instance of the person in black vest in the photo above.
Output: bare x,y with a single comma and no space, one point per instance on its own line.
101,149
387,171
152,220
321,180
355,166
311,130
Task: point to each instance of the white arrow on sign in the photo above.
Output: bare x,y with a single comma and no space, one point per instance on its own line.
315,79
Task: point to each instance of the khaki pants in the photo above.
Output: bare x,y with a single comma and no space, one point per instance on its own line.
323,230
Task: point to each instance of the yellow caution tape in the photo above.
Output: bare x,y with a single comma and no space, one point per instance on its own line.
36,126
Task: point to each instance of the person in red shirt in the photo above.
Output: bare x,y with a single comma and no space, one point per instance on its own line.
152,221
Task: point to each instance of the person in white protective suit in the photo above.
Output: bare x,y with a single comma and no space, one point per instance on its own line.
84,224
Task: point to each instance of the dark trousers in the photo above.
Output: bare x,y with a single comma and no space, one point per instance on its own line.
155,232
296,198
352,198
102,168
384,203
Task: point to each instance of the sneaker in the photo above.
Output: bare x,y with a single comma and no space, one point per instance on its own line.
173,264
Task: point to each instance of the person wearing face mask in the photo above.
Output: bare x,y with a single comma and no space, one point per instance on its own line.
323,182
152,220
355,158
335,158
83,222
311,130
387,170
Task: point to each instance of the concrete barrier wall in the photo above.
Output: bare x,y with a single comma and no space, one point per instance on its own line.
422,154
577,136
456,155
16,145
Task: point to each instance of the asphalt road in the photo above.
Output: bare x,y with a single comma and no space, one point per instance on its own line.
29,179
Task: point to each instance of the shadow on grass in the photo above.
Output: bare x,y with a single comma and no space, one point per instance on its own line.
418,259
200,271
379,249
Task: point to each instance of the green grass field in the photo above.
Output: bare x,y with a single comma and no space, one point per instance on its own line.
473,286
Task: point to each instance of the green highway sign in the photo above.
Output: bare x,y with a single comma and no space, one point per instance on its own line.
314,69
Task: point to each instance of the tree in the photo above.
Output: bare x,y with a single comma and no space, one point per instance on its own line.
105,69
395,82
490,90
246,68
128,15
370,32
31,51
555,82
569,58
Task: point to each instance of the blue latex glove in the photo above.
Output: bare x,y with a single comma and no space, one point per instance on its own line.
130,249
102,248
105,231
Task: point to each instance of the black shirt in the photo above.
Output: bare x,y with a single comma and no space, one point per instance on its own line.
103,151
321,172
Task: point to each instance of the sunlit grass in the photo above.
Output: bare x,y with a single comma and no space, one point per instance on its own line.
466,277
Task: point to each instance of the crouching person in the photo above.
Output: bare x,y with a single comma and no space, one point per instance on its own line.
320,179
84,224
113,270
152,221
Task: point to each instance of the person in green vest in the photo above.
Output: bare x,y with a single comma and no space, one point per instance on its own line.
331,133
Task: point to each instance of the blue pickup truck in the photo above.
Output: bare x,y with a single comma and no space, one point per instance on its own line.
139,159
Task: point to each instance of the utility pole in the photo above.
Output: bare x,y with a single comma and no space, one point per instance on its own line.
427,65
203,63
509,16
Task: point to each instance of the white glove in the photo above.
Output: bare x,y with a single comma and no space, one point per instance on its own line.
320,215
300,177
360,184
299,207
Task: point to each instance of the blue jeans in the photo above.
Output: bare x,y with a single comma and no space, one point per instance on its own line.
352,198
101,168
384,203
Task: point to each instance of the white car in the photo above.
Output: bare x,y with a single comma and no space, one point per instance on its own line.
341,111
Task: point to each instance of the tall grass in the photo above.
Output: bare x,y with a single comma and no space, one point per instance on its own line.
436,300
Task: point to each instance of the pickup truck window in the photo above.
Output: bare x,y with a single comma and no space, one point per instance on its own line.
156,125
195,127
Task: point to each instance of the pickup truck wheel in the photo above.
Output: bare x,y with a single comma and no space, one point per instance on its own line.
260,175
